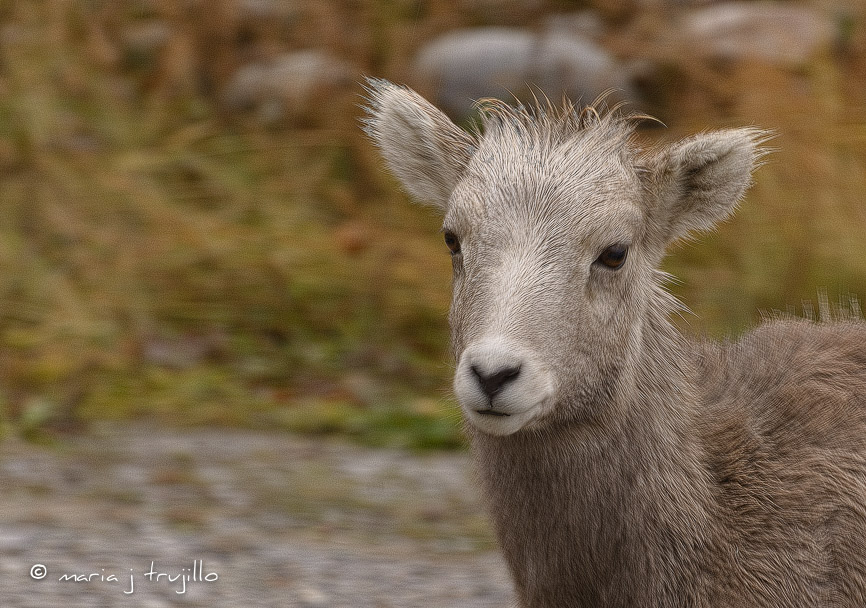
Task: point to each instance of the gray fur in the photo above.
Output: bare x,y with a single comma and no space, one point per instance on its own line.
625,464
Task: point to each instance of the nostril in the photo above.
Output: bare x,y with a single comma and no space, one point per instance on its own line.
491,384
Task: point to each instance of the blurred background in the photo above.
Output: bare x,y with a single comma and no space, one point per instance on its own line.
211,292
195,231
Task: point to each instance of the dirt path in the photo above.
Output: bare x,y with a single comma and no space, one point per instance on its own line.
266,520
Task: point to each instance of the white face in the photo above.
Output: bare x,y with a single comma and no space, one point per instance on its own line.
547,285
557,225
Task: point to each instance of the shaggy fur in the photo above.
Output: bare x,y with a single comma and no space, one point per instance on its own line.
624,464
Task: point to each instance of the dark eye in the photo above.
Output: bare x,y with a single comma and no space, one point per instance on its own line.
453,242
614,256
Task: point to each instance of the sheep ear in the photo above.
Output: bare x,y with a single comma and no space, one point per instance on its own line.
421,146
699,181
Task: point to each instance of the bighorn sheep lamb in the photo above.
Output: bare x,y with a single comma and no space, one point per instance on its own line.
623,463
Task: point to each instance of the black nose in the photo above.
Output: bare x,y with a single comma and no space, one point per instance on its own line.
493,383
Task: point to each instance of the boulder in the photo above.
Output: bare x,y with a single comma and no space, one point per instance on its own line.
287,85
780,33
463,66
587,24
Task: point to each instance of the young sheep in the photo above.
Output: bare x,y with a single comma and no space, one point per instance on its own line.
625,464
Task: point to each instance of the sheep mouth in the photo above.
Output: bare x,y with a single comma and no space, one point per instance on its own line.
491,412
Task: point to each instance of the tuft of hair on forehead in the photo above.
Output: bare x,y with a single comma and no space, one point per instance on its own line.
557,124
429,154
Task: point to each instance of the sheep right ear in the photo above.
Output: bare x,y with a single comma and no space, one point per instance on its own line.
421,146
699,181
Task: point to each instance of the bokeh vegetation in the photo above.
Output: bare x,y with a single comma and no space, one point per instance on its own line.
162,255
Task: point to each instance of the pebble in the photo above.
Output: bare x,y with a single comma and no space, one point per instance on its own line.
279,520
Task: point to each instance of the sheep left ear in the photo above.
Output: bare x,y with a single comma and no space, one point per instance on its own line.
422,147
698,182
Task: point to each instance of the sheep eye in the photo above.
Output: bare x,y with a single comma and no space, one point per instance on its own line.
614,256
453,242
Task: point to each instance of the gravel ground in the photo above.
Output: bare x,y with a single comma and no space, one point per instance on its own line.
265,519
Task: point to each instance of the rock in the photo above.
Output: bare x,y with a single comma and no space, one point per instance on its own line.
463,66
287,85
783,34
588,24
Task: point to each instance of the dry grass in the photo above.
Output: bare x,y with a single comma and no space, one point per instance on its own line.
161,257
